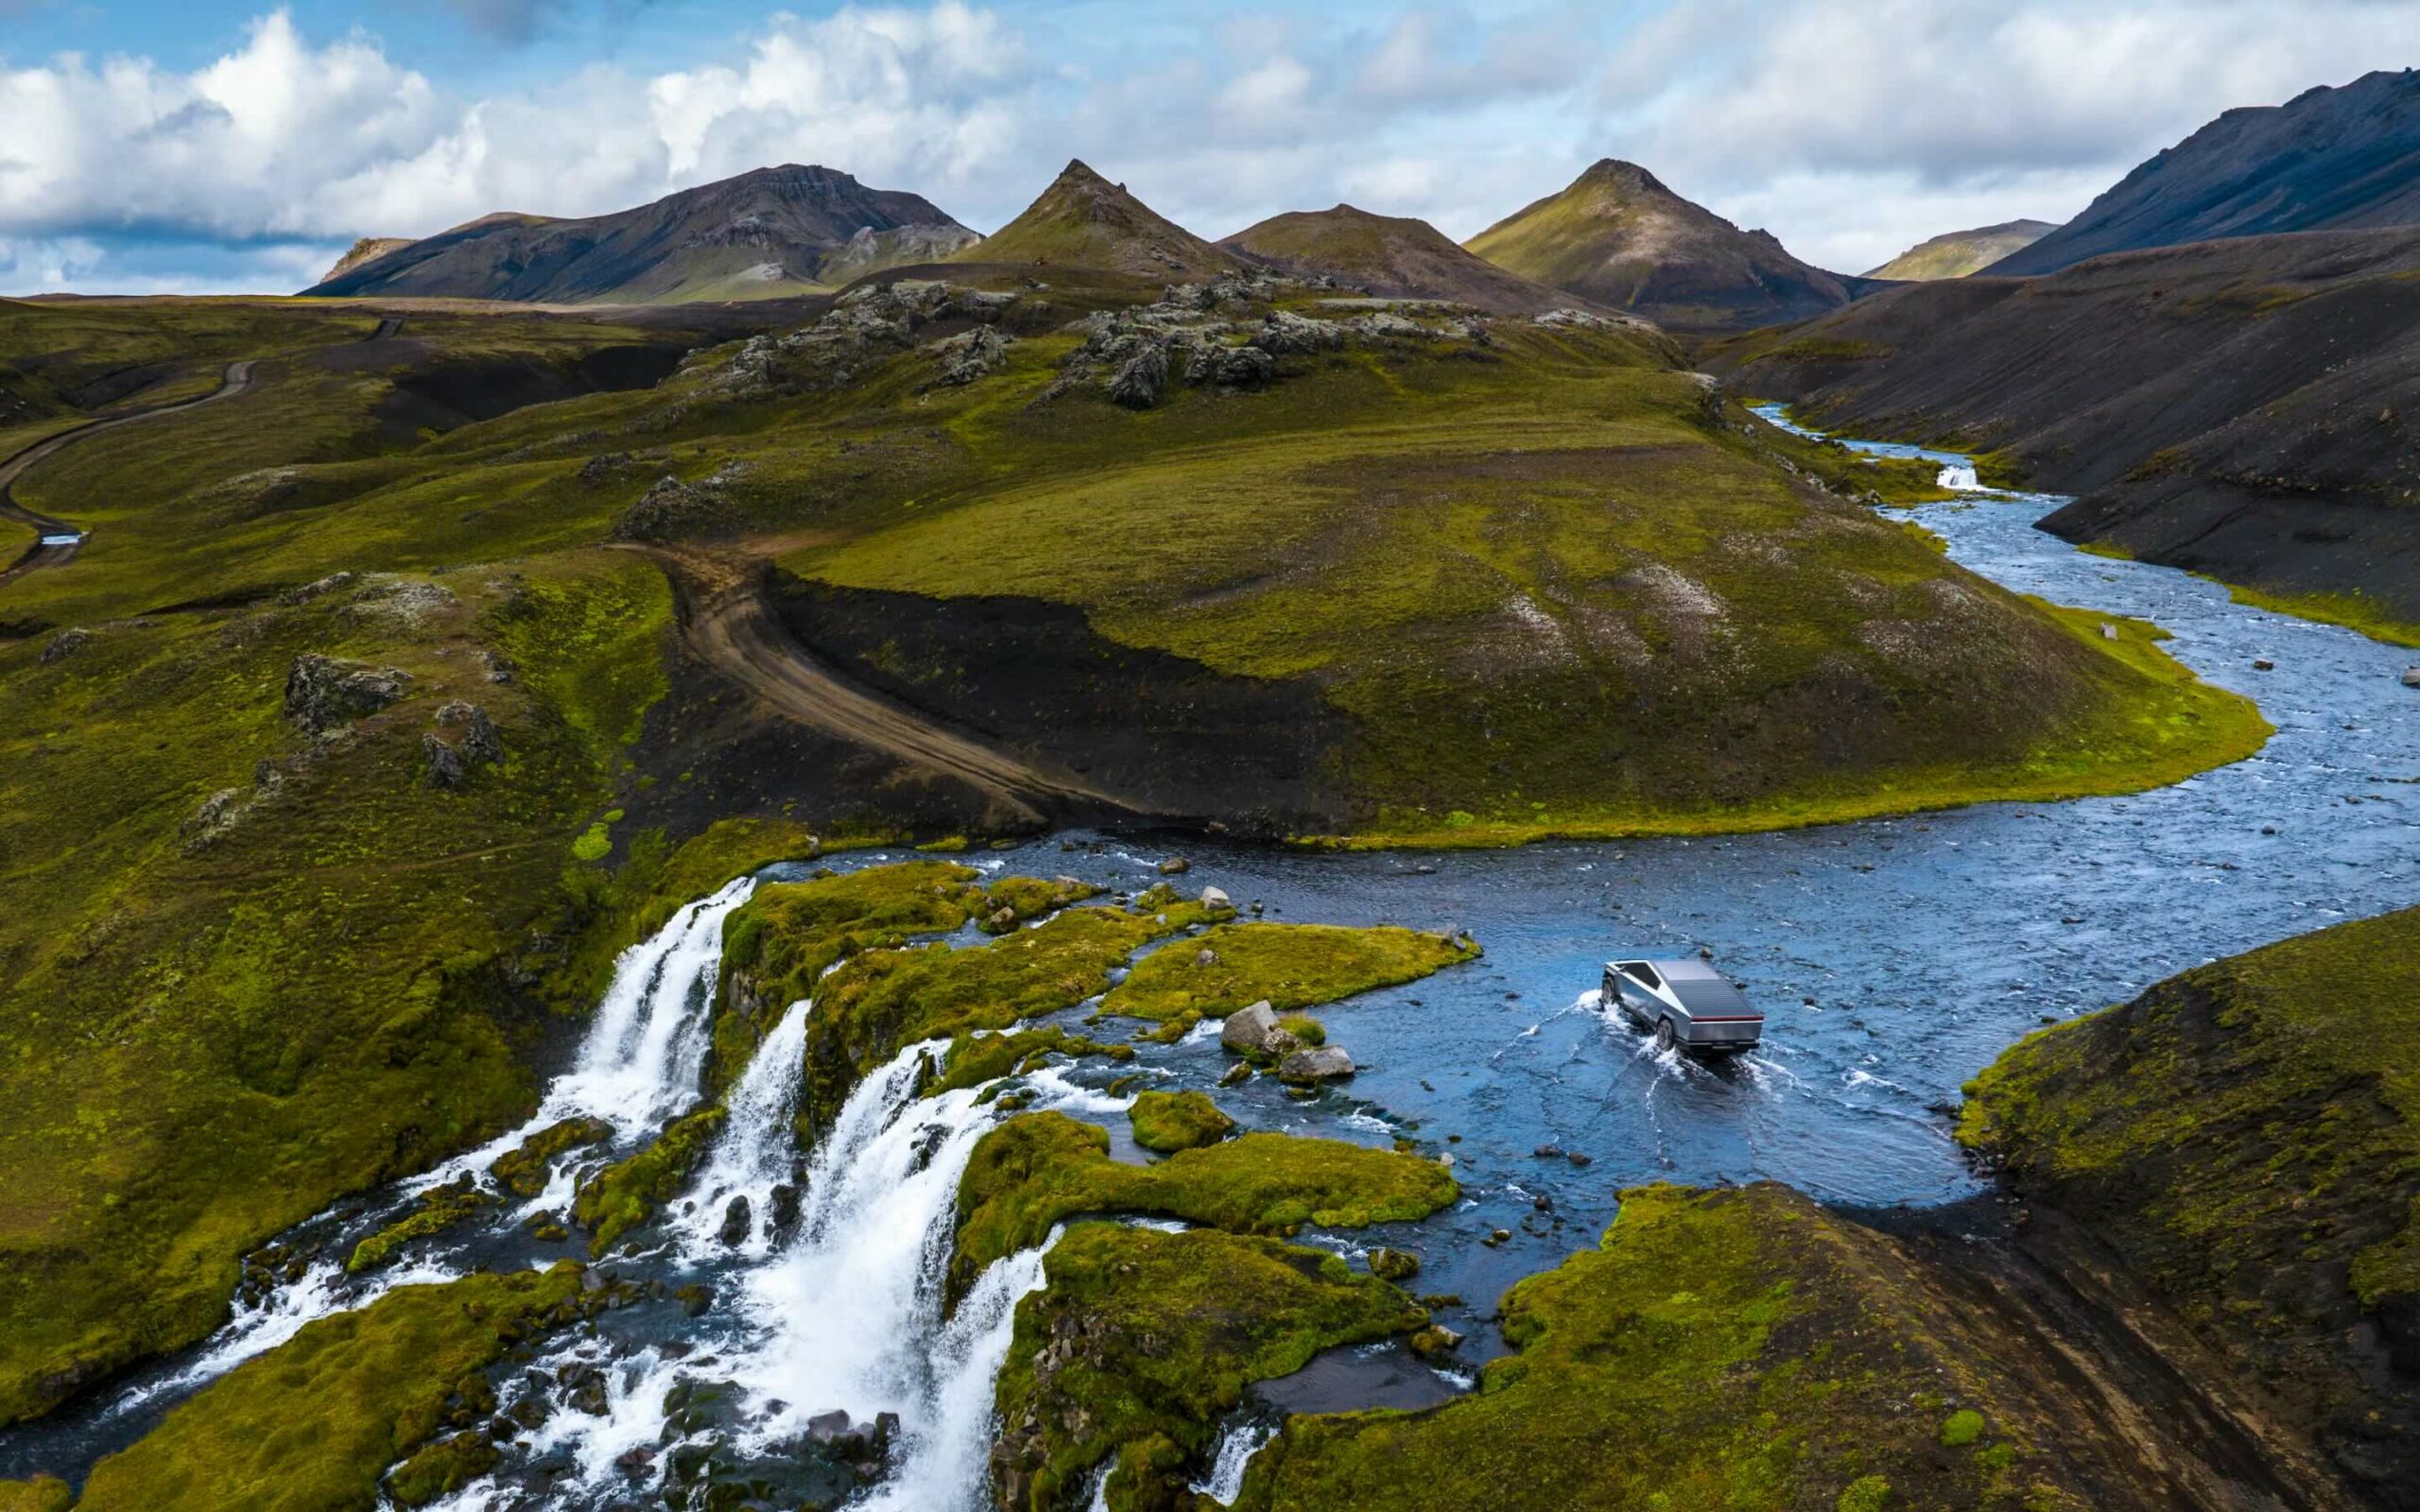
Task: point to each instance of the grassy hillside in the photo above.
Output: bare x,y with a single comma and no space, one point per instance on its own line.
2238,408
1083,220
1618,236
2247,1135
1957,254
1468,585
1394,256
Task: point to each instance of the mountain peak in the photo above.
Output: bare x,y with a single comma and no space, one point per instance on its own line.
1083,220
1394,256
2335,157
1617,236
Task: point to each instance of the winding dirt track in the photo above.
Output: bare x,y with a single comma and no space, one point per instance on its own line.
727,623
49,553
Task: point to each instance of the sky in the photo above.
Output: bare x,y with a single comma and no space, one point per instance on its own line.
152,145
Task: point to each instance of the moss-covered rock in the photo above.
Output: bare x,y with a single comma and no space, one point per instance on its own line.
311,1425
524,1169
1169,1122
442,1467
1140,1338
43,1493
1035,1170
628,1192
434,1211
2247,1136
779,944
974,1059
880,1001
1733,1350
1289,965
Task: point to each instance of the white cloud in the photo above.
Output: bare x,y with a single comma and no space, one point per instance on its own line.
1849,127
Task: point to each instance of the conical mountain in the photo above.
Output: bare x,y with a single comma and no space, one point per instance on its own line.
1083,220
1957,254
1618,236
770,231
1392,256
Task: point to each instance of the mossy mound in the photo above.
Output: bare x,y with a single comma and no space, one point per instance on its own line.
1734,1350
1138,1336
1289,966
779,944
1035,1170
974,1059
628,1193
881,1001
524,1169
312,1425
2247,1136
1169,1122
43,1493
435,1211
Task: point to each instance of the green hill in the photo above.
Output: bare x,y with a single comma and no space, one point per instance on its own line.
1394,256
1957,254
1083,220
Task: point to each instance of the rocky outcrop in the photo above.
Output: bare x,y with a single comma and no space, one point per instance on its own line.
1142,377
323,692
671,511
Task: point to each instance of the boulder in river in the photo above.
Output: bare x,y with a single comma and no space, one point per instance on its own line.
1324,1063
735,1223
2411,677
1393,1264
1216,898
1247,1030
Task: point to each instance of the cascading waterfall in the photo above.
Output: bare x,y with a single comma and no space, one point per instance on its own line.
637,1065
1225,1480
1960,476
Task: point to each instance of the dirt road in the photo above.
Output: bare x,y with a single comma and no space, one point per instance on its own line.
60,540
728,622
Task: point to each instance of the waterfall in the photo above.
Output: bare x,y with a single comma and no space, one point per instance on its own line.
1960,476
754,1152
1226,1479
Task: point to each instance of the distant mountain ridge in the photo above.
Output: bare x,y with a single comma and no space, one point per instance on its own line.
1083,220
774,230
1957,254
1396,256
1618,236
2329,159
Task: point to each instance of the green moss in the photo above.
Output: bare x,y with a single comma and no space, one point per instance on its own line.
524,1169
311,1425
1289,966
880,1000
974,1059
1305,1028
594,844
1867,1493
1138,1338
443,1468
2355,612
1962,1428
439,1209
1169,1122
1813,1334
2247,1136
629,1191
1023,899
1033,1171
43,1493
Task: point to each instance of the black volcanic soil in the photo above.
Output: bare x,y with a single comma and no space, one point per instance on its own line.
2243,408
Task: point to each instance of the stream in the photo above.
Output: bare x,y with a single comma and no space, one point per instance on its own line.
1894,957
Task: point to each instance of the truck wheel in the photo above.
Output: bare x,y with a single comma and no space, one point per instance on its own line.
1664,1035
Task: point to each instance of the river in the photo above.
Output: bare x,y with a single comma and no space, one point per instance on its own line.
1894,957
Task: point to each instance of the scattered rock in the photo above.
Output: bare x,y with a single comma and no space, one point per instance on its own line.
481,741
320,588
1142,378
669,511
500,668
2411,677
406,601
1247,1030
604,468
1236,1074
1326,1063
1548,1152
68,643
1175,866
695,1298
970,355
1437,1339
735,1223
1206,956
582,1389
323,692
781,1214
1215,898
1393,1264
1231,366
1500,1236
216,816
446,769
1283,333
2263,664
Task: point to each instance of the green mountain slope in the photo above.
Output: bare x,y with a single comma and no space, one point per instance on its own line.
1394,256
1957,254
1083,220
